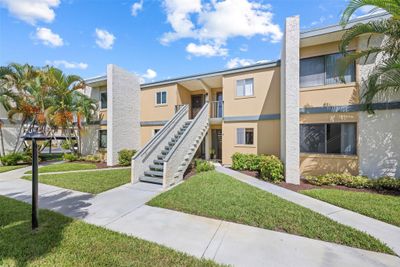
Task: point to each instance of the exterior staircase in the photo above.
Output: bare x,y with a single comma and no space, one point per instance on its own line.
165,158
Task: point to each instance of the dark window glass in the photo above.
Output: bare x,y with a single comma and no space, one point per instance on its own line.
332,76
161,98
103,100
102,138
312,138
333,133
249,136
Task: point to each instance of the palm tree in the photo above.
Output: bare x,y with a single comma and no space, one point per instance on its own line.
385,77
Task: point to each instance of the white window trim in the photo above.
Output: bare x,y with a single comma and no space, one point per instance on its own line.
166,98
244,88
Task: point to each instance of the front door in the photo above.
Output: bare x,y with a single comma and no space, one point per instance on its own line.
216,143
197,104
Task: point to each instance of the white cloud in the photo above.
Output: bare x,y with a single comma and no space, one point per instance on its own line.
104,39
218,21
242,62
206,50
32,11
244,48
67,64
150,74
49,38
136,7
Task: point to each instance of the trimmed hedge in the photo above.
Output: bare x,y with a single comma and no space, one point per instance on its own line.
348,180
70,157
270,167
203,165
15,158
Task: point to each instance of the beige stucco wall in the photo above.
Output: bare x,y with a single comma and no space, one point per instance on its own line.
269,137
266,98
152,112
147,133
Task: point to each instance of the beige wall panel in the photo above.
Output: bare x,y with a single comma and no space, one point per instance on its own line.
103,114
329,117
269,137
229,145
266,99
183,96
147,132
333,96
152,112
315,164
319,50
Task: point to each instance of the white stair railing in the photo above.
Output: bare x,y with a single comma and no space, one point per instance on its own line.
181,154
145,156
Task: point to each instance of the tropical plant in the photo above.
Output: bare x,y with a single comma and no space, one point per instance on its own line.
385,76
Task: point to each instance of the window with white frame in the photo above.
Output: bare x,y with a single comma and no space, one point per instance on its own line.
245,136
245,87
103,100
161,98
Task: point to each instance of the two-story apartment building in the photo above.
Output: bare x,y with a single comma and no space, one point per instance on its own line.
296,108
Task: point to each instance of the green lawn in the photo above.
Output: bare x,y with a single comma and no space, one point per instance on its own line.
217,195
382,207
66,166
91,182
10,168
61,241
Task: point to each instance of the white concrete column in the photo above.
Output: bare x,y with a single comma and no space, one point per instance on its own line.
290,62
123,112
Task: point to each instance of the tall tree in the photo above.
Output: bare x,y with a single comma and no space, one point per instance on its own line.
385,76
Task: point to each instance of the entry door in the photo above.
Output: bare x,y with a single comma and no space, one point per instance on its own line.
197,104
217,143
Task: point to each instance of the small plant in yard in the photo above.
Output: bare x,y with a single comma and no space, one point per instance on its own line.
271,168
249,162
203,165
92,158
70,157
15,158
125,157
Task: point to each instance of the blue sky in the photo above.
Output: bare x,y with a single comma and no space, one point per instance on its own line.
153,38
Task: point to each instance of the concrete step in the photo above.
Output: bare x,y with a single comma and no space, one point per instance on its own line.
167,148
153,173
160,157
155,167
149,179
164,152
158,161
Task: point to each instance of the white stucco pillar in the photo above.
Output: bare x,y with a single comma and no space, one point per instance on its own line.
290,62
123,112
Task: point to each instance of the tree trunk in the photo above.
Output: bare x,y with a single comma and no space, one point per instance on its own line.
19,136
3,153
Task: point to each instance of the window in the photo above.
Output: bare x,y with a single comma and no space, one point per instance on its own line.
331,138
103,100
161,98
244,136
245,87
102,138
322,70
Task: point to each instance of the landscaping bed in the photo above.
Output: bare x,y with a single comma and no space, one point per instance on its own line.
220,196
62,241
381,207
93,182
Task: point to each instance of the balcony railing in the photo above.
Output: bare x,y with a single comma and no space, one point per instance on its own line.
216,109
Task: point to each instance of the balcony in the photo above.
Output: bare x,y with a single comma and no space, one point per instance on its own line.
216,109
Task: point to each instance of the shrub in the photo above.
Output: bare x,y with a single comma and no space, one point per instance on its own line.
203,165
92,158
70,157
386,183
242,162
125,157
271,168
15,158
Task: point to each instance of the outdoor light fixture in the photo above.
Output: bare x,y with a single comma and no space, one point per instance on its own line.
34,135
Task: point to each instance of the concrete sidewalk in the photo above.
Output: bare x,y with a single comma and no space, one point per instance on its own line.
123,209
385,232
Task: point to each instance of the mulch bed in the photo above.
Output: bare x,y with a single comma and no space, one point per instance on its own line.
190,171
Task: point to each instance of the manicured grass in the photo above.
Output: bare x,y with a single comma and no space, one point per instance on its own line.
91,182
220,196
10,168
62,241
66,166
382,207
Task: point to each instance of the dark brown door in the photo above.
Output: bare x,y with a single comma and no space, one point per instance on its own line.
217,143
197,104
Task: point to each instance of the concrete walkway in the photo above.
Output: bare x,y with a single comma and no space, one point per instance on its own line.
123,209
385,232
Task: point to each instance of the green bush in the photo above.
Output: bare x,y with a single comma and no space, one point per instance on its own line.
15,158
203,165
271,168
92,158
70,157
242,162
125,157
348,180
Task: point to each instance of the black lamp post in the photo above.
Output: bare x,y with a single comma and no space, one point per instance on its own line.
34,135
